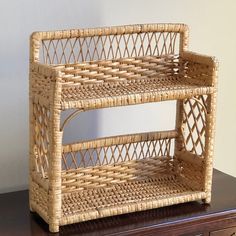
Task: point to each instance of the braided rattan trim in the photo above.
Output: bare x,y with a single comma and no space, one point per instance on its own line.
126,29
133,99
120,139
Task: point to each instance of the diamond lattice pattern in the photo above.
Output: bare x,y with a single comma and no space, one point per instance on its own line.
41,138
74,50
194,124
116,154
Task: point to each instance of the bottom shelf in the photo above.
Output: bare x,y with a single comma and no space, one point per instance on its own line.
125,198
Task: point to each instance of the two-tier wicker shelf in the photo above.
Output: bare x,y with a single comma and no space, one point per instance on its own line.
84,69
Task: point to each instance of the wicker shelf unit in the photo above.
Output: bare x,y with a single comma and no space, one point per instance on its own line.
84,69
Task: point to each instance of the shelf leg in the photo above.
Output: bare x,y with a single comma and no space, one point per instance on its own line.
31,146
179,126
210,134
55,148
53,228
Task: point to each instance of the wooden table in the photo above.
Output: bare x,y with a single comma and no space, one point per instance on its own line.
195,218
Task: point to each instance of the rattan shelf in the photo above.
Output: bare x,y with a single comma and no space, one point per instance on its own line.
80,70
125,198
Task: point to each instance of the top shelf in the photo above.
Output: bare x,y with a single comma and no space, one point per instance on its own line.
117,66
126,81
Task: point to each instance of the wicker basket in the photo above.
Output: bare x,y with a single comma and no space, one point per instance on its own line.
96,68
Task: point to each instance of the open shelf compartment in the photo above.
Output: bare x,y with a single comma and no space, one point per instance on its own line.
131,196
123,174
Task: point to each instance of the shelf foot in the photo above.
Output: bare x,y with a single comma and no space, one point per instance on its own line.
53,228
207,200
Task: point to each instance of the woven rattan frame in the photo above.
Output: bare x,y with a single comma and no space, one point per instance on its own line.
80,70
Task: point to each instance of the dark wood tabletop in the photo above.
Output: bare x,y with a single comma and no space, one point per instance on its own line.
193,218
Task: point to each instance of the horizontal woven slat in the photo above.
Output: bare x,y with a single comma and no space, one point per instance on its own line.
154,90
120,70
120,139
138,28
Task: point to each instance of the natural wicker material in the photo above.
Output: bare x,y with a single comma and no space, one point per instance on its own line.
88,69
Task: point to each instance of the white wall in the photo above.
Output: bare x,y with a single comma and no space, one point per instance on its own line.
212,25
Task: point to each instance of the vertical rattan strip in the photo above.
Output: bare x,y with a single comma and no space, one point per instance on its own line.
55,158
210,134
179,143
35,42
31,143
34,52
184,39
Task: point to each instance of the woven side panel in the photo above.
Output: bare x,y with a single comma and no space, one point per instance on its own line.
40,87
40,201
194,124
41,116
192,149
190,170
199,73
